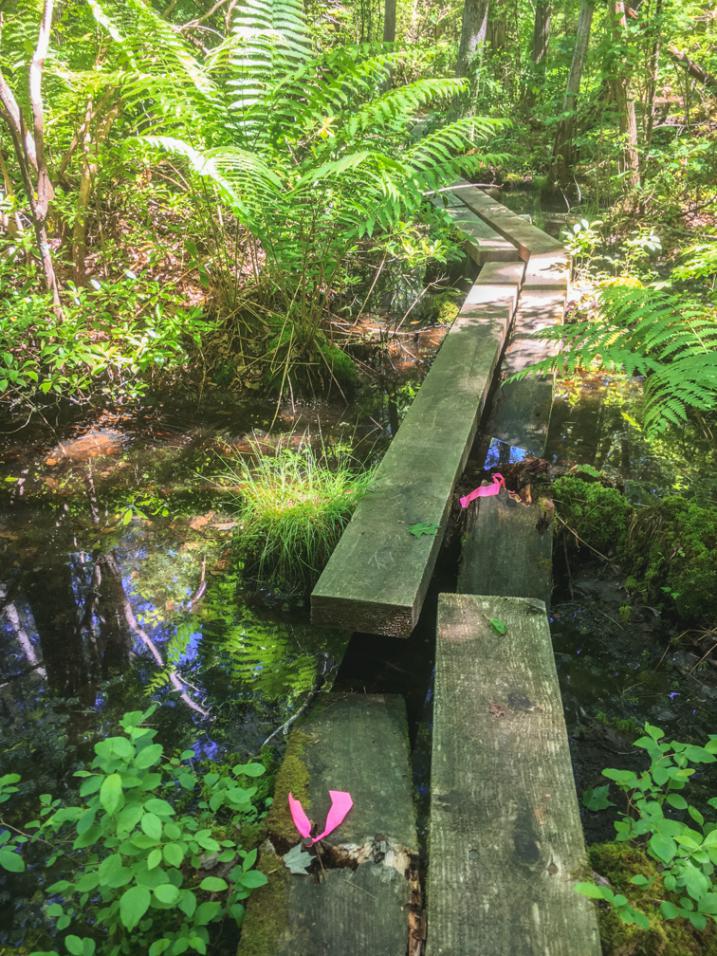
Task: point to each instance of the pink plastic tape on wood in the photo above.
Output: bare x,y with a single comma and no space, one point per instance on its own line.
341,803
485,492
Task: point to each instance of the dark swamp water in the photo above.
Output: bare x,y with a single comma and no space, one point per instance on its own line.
119,585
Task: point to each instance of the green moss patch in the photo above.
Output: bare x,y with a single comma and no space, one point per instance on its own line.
618,863
600,515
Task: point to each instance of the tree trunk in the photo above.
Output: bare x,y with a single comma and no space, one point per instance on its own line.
623,95
694,69
564,145
389,21
539,50
474,30
29,146
653,75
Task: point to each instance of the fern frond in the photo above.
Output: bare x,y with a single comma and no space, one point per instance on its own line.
653,333
274,41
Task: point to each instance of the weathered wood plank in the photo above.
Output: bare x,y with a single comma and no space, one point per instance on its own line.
548,270
483,243
348,742
506,844
507,549
377,578
529,239
520,415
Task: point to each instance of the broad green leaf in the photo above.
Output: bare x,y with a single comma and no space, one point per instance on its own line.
166,893
593,891
160,807
213,884
173,854
148,756
159,946
663,847
207,912
151,825
249,769
11,861
669,910
134,903
253,879
111,792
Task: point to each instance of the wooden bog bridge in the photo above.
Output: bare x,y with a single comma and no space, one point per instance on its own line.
505,843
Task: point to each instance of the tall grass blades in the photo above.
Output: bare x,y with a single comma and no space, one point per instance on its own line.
293,507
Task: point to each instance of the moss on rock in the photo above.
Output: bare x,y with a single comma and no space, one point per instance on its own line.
618,863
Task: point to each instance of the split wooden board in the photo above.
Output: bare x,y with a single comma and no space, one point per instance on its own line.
357,743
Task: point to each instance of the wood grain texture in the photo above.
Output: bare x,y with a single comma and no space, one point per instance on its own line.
507,549
506,845
348,742
529,239
377,578
520,413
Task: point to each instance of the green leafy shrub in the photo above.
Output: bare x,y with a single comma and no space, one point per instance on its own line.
672,552
293,507
149,856
674,834
115,341
619,863
597,513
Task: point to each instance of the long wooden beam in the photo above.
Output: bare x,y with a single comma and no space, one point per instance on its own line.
377,578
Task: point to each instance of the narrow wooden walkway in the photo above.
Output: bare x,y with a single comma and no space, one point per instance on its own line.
378,576
363,905
505,841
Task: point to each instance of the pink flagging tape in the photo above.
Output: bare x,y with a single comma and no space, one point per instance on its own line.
341,803
484,492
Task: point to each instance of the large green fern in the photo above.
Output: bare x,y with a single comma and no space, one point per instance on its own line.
669,339
312,154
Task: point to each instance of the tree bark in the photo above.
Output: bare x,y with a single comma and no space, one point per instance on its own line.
653,75
474,30
623,95
539,49
564,144
389,21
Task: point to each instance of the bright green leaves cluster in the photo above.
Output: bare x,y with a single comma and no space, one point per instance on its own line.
116,338
149,854
673,832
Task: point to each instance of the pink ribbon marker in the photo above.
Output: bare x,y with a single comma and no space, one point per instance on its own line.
341,803
485,491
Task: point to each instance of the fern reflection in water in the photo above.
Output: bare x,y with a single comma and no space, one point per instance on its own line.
269,659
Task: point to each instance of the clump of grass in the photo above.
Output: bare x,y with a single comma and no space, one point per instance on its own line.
293,506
